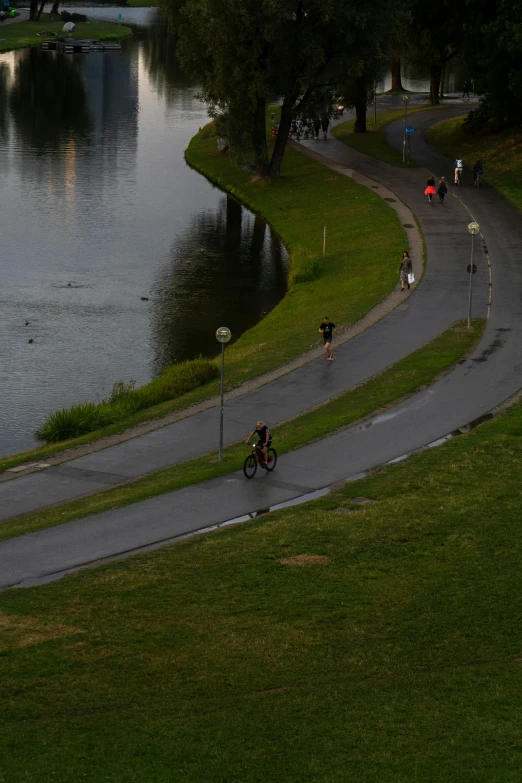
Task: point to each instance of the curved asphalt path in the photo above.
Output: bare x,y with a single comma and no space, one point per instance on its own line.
489,377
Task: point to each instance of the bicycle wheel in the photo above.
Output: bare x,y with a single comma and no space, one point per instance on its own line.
250,466
272,459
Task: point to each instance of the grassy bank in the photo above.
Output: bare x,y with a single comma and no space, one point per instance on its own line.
500,153
380,646
353,277
403,379
22,34
373,142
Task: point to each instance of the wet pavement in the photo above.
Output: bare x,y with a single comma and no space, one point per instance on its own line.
483,381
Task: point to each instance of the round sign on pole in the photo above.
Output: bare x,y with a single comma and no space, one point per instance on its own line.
409,130
468,268
473,228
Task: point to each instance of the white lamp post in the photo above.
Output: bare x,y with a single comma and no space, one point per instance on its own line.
473,229
223,336
405,100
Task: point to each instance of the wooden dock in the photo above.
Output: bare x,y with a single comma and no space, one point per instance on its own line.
79,46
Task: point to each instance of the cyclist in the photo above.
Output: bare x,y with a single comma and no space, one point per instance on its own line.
478,171
458,165
265,439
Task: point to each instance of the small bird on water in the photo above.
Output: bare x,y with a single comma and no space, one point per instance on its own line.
27,323
30,341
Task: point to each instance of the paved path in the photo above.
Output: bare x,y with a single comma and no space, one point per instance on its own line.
486,379
440,300
23,17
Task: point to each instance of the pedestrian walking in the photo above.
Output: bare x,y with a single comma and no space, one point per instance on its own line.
442,189
406,271
465,89
325,124
327,328
430,188
317,127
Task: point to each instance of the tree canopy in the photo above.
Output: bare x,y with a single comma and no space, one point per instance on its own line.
243,53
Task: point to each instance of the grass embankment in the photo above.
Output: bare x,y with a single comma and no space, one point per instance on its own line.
355,275
382,646
403,379
374,142
500,153
21,34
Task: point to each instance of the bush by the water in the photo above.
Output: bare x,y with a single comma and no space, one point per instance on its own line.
125,400
66,16
305,267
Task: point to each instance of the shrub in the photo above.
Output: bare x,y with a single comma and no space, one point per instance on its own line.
125,400
66,16
305,267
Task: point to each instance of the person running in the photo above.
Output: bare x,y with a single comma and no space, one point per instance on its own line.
327,328
430,188
465,89
458,165
264,439
442,189
405,270
478,171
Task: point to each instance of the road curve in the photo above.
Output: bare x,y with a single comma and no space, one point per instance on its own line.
487,378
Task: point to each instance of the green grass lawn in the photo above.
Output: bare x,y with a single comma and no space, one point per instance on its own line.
382,646
501,154
354,276
403,379
373,142
22,34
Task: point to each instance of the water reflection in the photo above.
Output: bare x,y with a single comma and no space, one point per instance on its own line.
121,258
48,101
159,57
226,256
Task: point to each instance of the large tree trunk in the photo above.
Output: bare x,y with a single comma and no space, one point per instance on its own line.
396,73
259,139
39,13
361,104
442,80
56,5
281,141
435,74
33,10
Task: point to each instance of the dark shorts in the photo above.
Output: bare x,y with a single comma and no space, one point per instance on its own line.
262,445
328,339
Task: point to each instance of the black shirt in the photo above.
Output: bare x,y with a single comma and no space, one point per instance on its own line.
327,329
262,433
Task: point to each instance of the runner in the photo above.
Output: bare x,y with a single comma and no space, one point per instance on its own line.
327,328
265,438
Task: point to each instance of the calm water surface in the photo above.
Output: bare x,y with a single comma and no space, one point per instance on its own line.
99,209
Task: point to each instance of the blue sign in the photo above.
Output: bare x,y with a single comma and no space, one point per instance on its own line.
409,129
120,17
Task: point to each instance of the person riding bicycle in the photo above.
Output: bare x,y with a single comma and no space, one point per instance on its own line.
478,171
265,438
458,165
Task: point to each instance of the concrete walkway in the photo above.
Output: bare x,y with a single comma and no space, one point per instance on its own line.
488,378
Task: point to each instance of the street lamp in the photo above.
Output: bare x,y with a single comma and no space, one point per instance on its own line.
405,100
473,229
223,336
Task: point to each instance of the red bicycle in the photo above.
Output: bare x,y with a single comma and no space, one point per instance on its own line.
256,458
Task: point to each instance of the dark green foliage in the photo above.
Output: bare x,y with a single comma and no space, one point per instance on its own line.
125,400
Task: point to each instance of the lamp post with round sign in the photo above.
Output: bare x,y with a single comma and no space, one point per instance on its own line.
473,229
405,100
223,336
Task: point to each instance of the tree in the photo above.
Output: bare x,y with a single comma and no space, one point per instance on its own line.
493,53
396,84
242,52
437,35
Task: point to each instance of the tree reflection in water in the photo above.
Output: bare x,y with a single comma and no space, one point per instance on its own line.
47,100
228,269
4,91
159,55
